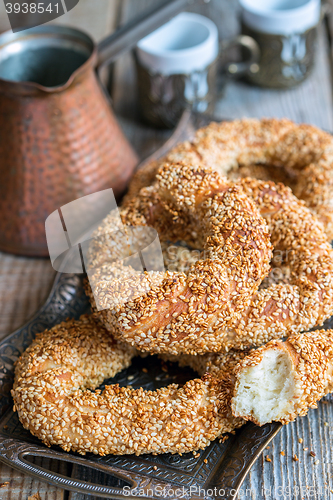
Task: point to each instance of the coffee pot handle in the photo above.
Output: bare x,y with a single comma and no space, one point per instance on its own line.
125,38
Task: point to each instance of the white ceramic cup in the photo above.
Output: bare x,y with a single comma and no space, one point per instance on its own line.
281,17
187,43
286,32
177,67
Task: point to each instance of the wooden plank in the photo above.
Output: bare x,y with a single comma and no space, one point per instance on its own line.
96,17
123,91
21,486
24,286
285,476
144,139
4,21
224,13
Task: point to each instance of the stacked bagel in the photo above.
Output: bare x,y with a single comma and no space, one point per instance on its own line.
222,310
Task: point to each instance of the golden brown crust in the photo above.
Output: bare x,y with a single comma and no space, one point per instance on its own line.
235,148
51,394
302,300
305,300
186,312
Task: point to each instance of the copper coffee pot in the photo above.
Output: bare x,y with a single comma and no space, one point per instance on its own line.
59,139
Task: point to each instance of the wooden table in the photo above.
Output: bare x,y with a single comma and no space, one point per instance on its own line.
292,472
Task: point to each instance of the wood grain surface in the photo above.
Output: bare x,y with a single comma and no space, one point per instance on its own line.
292,472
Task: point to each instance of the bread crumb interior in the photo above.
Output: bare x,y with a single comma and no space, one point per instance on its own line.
266,391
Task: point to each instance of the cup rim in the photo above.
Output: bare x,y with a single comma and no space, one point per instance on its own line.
281,14
286,22
180,53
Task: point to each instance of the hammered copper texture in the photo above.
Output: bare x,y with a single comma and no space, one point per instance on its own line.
55,146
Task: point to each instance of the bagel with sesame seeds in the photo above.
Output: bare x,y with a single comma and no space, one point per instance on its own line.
52,393
282,380
301,156
302,296
179,318
185,312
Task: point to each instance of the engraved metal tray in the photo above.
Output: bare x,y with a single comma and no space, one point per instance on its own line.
221,466
216,472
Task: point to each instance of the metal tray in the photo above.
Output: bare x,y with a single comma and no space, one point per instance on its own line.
222,465
218,471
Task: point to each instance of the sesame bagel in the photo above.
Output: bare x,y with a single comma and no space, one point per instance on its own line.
282,380
299,155
186,312
53,396
302,295
168,320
